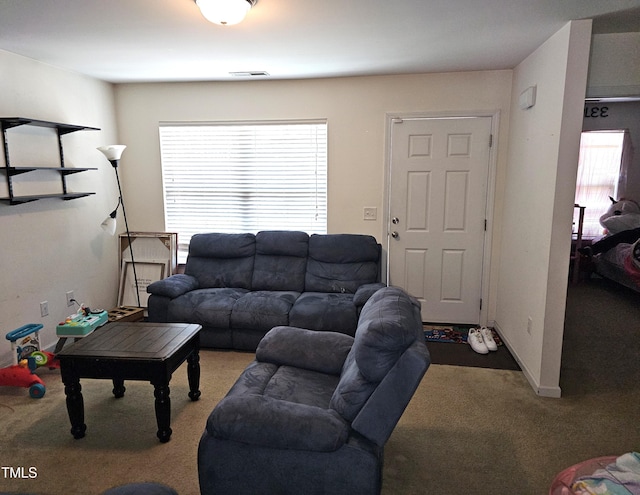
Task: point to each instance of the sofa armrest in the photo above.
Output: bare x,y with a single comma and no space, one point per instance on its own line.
173,286
320,351
365,291
277,424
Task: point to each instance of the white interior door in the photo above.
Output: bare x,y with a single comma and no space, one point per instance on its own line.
437,202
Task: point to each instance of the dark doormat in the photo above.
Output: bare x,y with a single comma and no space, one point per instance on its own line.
463,355
448,345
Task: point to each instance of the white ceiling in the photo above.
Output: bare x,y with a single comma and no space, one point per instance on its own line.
169,40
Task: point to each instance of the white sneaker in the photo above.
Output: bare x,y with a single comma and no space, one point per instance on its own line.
476,342
487,337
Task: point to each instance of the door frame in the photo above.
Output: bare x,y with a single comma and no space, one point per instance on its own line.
390,117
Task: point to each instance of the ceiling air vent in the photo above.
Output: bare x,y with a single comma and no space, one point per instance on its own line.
250,73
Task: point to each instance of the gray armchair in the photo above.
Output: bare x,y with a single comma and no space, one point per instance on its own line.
313,412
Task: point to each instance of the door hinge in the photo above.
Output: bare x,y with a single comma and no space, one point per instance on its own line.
485,224
480,304
490,140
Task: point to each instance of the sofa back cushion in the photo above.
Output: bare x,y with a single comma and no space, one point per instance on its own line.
341,262
281,261
222,260
389,324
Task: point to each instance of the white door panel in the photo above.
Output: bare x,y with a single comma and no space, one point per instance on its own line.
438,188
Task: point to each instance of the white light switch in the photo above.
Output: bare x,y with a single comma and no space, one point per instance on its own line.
370,213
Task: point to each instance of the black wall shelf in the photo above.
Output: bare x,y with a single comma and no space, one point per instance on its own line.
18,200
61,129
66,171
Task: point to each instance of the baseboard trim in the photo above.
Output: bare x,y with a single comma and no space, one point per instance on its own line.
552,392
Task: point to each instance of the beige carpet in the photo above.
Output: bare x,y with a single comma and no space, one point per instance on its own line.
121,444
467,430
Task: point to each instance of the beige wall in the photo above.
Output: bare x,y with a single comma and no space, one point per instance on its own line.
53,246
614,69
356,109
538,204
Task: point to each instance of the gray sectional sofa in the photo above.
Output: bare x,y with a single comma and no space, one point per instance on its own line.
312,413
240,286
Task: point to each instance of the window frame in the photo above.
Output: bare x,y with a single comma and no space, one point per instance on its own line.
270,152
607,182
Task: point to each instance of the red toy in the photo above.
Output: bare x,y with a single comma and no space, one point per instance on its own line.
27,356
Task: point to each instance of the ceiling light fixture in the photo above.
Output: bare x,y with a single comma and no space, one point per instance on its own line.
249,73
225,12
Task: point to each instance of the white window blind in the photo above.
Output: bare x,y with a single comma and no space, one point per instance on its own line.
245,177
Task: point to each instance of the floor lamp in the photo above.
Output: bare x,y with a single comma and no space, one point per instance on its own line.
113,153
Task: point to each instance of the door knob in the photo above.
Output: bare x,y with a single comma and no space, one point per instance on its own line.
394,234
395,220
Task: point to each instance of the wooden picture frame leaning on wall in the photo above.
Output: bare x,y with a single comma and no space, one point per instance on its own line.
155,255
147,272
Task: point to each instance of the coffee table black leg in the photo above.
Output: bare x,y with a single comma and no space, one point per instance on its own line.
163,411
75,407
118,388
193,375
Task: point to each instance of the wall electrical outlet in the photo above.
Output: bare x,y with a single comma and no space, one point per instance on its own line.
370,213
44,308
70,298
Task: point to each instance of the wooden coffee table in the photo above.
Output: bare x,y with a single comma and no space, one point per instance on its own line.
132,351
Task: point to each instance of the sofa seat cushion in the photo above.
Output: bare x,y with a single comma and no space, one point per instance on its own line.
263,310
301,386
277,424
253,379
206,307
286,383
325,311
280,407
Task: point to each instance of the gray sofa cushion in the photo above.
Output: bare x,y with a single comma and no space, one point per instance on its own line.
365,291
173,286
263,310
277,424
387,327
253,379
281,261
341,262
317,351
301,386
352,391
206,307
325,311
280,407
222,260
